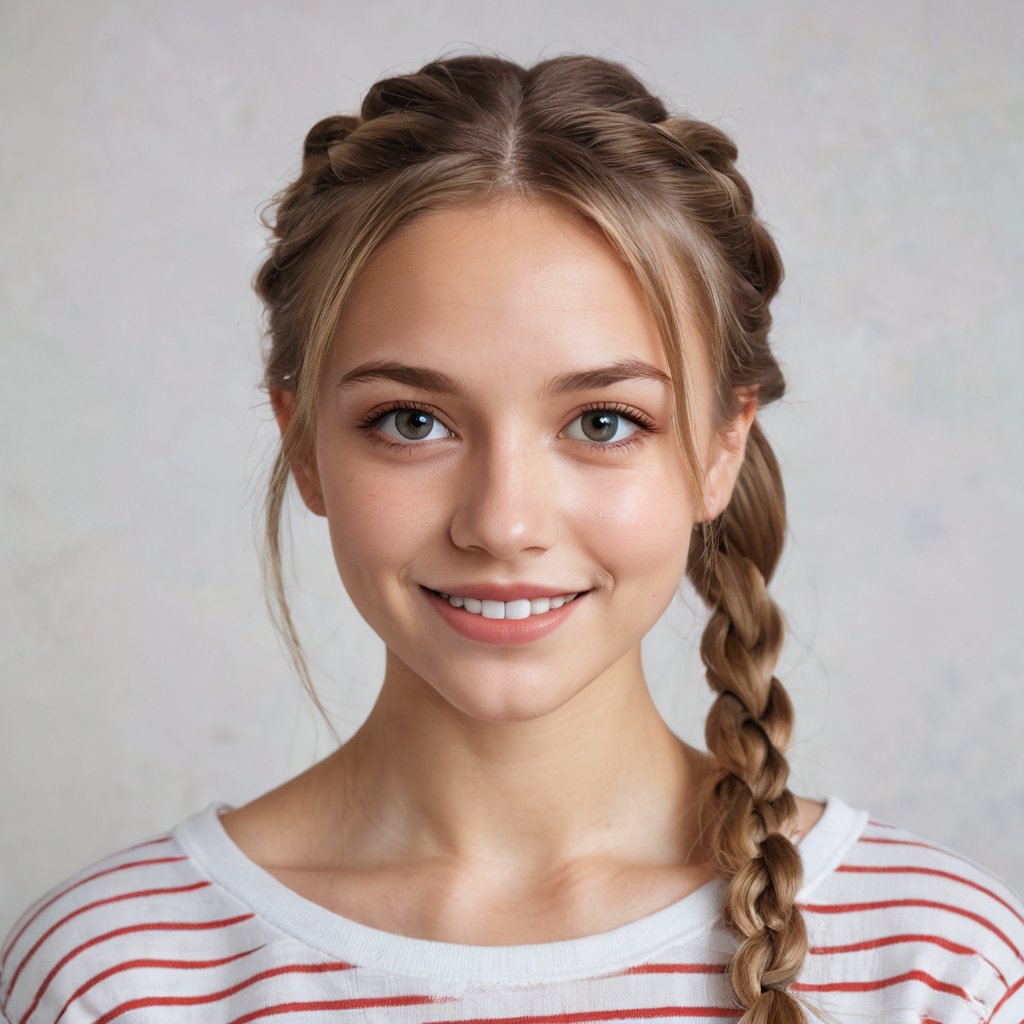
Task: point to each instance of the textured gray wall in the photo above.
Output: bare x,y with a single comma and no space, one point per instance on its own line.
140,676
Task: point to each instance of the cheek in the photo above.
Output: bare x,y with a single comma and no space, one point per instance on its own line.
365,515
375,527
377,519
638,526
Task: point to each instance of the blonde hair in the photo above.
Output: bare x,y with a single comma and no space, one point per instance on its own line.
665,193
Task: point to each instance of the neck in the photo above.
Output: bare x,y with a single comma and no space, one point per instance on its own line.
601,777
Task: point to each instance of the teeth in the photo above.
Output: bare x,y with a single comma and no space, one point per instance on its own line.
521,609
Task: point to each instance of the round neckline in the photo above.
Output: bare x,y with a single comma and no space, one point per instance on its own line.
205,840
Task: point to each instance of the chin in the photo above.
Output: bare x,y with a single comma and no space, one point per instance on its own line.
506,700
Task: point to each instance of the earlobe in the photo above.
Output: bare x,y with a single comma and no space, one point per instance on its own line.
306,477
728,449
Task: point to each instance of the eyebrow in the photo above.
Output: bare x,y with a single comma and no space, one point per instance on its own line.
433,380
403,373
605,376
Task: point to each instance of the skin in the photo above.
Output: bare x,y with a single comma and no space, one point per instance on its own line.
502,794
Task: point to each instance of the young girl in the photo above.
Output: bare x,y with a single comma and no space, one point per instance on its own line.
518,326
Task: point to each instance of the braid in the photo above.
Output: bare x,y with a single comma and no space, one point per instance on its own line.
751,811
748,727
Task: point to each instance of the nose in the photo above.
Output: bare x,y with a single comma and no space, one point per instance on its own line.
508,500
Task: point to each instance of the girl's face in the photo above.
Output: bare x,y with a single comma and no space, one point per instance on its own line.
495,425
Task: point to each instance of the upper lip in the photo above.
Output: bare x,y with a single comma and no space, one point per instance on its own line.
506,591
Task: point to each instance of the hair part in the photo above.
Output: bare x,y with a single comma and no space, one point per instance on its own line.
665,193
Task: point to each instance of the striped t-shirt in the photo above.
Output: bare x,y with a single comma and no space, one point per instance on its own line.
184,927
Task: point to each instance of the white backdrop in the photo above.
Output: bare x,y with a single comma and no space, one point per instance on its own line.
140,676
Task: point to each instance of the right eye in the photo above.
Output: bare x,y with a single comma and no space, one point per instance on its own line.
406,424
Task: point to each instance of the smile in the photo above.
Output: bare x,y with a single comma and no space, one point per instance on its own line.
521,609
521,620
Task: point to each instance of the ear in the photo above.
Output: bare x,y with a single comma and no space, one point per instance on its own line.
726,453
306,477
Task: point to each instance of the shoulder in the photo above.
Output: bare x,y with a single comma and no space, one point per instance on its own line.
902,914
84,947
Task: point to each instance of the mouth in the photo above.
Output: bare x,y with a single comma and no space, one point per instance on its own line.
521,620
523,608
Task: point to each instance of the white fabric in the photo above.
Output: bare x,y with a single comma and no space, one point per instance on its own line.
185,927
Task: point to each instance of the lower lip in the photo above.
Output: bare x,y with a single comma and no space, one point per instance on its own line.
501,631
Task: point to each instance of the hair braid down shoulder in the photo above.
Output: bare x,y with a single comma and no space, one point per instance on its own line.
751,812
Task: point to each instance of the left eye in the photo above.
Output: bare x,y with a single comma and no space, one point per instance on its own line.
601,426
412,425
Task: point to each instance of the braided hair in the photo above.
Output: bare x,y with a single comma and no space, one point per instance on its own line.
665,192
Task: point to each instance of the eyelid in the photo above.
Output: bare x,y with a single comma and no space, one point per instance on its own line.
629,411
380,411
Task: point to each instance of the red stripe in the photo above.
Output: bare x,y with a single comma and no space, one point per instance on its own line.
677,969
337,1004
880,824
872,986
911,870
131,964
846,908
631,1013
149,842
1009,992
154,926
140,894
891,940
216,997
951,854
905,842
71,888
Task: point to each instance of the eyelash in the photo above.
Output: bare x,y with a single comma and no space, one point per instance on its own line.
644,424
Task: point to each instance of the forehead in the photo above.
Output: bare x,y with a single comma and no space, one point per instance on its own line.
531,237
481,285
